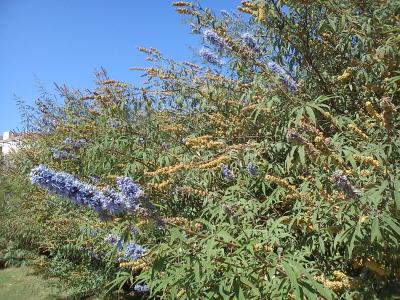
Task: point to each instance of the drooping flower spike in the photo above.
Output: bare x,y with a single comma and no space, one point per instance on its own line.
65,185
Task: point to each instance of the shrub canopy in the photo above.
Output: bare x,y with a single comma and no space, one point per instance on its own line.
269,170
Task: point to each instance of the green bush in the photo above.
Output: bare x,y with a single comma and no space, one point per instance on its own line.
272,167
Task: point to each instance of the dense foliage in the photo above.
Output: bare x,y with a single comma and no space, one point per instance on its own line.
270,170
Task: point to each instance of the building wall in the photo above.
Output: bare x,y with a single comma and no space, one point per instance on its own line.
8,143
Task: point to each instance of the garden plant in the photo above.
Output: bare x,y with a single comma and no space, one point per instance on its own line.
268,170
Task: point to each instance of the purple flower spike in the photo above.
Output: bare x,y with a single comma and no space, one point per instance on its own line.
227,173
210,57
214,39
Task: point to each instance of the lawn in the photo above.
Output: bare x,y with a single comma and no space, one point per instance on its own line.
21,283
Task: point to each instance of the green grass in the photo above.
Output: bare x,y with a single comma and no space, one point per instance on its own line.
20,283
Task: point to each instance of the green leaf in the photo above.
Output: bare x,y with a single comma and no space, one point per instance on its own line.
396,193
293,279
375,231
196,271
302,155
355,235
311,114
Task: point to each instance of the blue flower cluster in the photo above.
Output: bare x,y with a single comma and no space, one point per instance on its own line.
132,192
60,154
294,137
214,39
251,169
250,41
115,240
65,185
44,125
62,184
76,144
283,76
229,212
141,288
341,182
114,123
225,14
66,152
109,200
227,173
112,239
210,56
134,251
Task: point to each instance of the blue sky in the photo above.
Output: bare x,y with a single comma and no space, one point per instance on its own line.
64,41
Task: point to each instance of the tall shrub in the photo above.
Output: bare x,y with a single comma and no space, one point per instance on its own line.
269,170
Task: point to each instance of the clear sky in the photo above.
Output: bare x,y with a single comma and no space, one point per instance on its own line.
64,41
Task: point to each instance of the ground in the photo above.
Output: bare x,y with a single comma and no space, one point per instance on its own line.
20,283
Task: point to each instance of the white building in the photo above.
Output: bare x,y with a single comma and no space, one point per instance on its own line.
9,142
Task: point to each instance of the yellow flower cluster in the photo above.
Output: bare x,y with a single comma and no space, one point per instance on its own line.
279,181
367,159
377,268
365,173
311,129
180,293
299,224
145,50
311,150
252,8
373,113
184,11
109,81
388,109
217,118
346,75
143,223
192,65
183,222
241,86
169,170
160,186
201,140
159,73
324,193
245,10
176,128
253,106
336,160
264,248
358,131
135,265
211,76
371,265
179,167
182,3
87,97
328,116
261,13
211,145
248,7
340,283
214,163
323,144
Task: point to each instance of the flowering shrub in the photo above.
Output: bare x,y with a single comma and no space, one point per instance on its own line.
269,171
